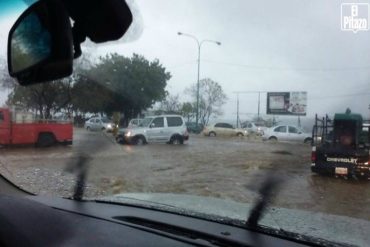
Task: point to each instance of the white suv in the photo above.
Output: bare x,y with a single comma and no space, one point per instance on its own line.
165,128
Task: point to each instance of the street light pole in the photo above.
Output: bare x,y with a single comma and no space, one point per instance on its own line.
198,86
198,76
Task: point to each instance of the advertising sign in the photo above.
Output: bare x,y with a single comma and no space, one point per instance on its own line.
287,103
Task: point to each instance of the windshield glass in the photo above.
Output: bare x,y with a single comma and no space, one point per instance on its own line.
105,120
300,66
145,122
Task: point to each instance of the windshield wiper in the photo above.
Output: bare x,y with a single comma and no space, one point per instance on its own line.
80,169
270,184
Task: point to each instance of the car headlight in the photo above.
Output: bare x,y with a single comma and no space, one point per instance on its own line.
109,126
128,134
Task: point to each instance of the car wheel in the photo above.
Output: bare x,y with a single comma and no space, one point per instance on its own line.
176,140
120,140
273,139
239,134
139,140
307,140
45,140
213,134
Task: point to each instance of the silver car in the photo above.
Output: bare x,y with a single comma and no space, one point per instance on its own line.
254,127
98,123
160,129
287,133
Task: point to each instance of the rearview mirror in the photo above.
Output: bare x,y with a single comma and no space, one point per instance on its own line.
40,44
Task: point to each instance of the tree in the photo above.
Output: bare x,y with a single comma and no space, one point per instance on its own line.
187,110
135,83
6,81
211,99
45,99
170,105
89,95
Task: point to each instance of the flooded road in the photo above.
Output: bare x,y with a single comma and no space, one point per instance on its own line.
227,168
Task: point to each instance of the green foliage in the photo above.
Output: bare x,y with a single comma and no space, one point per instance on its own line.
134,84
170,105
115,84
187,110
89,95
45,99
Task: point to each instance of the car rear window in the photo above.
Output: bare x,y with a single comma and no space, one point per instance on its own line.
174,121
1,117
158,122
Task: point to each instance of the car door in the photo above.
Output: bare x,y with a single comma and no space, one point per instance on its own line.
174,126
229,129
91,123
99,124
156,131
219,129
294,134
281,133
250,127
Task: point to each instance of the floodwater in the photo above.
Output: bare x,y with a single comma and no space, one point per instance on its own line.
227,168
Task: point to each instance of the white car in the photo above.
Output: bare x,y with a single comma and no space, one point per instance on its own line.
97,123
287,133
160,129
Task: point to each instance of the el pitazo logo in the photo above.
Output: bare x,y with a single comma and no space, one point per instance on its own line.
355,17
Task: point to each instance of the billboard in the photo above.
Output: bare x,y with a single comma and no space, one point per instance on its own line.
287,103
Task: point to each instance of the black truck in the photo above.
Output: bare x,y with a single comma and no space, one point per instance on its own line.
340,146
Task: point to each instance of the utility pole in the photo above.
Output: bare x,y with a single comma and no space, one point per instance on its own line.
259,105
237,110
259,102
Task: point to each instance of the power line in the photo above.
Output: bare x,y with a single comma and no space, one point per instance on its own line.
192,62
339,96
274,68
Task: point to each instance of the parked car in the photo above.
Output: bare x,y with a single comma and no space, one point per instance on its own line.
134,122
161,129
287,133
97,123
194,128
224,129
254,127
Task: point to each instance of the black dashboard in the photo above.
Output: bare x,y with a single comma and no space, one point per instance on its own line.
50,221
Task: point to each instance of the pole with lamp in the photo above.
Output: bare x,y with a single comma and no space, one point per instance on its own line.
199,43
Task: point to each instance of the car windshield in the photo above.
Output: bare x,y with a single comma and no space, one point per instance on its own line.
145,122
294,65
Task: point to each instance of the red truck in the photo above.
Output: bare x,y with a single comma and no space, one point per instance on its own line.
40,133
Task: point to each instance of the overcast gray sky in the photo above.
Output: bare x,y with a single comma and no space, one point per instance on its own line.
266,46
